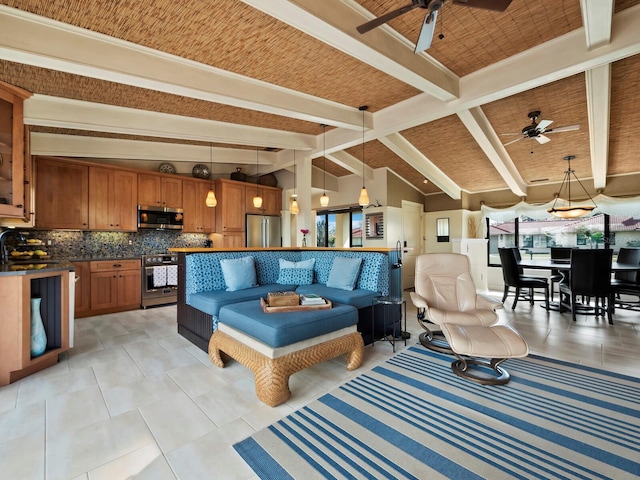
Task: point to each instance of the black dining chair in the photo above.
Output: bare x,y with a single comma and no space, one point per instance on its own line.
514,278
561,254
591,278
626,283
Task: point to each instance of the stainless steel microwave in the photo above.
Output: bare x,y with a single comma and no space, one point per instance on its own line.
160,218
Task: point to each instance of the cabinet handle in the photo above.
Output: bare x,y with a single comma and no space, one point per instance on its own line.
116,265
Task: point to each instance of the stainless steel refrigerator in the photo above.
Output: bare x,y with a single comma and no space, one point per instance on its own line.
263,231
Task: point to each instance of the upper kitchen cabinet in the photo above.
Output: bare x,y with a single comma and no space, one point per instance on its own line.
12,151
230,212
62,194
271,200
113,197
198,218
159,191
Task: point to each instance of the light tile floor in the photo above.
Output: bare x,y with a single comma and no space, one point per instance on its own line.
134,399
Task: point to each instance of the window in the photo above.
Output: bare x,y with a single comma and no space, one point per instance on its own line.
342,229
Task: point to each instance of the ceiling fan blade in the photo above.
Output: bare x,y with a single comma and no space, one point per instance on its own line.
568,128
495,5
542,124
426,32
542,139
512,141
376,22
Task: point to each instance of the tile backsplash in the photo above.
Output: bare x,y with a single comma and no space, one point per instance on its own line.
76,244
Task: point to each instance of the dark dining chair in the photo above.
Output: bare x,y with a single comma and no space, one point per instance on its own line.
591,278
626,283
514,278
558,254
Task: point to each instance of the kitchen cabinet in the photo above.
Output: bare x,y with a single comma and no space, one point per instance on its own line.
159,190
16,291
230,212
115,285
232,240
198,218
12,151
82,304
62,194
113,197
271,200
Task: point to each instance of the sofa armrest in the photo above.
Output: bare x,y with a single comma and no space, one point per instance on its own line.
418,301
486,302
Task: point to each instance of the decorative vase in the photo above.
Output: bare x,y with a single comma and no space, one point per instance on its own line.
304,240
38,335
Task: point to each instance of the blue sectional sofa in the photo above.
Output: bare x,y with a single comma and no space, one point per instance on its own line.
202,290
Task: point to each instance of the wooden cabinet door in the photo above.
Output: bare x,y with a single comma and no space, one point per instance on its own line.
271,201
149,190
129,287
101,198
82,287
104,290
230,212
171,192
126,200
233,240
190,206
62,195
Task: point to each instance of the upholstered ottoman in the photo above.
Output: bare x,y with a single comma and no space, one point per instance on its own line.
276,345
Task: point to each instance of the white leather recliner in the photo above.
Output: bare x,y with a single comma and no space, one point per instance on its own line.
448,304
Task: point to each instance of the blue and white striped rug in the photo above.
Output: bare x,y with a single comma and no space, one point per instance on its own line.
411,417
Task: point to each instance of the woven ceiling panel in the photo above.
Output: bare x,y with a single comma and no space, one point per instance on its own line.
233,36
475,38
449,145
564,102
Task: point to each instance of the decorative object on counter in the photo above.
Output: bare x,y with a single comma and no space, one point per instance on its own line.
304,232
238,175
200,170
167,168
38,335
257,200
211,200
324,199
268,180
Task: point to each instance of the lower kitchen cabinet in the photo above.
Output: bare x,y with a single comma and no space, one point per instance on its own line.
82,304
115,286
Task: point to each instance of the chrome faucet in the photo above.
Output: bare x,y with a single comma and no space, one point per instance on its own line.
3,249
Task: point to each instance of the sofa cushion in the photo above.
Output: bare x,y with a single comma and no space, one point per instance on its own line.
309,263
295,276
344,273
358,297
239,273
281,329
211,302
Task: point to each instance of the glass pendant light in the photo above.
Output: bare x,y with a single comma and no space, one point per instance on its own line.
324,199
294,208
211,200
363,199
257,200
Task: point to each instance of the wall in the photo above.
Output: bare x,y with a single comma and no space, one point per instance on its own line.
457,229
399,190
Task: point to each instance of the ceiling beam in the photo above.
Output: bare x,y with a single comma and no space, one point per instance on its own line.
33,40
598,82
478,125
334,23
597,16
410,154
351,163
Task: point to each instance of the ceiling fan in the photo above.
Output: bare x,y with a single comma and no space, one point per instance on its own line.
536,129
429,22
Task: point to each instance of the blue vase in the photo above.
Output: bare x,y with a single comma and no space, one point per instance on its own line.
38,335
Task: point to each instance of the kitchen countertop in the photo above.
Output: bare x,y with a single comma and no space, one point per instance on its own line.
26,268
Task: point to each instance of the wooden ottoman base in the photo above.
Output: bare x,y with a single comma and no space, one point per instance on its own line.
271,375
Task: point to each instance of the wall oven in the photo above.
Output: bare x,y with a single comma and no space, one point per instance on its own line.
159,279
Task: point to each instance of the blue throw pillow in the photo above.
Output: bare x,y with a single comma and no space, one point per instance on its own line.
239,273
295,276
344,273
302,264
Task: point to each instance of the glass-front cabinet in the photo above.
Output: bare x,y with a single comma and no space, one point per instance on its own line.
12,151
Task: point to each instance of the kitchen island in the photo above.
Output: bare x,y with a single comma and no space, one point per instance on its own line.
53,283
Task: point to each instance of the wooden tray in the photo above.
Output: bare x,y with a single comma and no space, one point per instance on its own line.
293,308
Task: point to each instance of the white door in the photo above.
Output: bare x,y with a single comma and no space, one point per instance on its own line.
411,241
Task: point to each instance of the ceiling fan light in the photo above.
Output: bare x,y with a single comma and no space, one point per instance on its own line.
363,199
324,200
211,200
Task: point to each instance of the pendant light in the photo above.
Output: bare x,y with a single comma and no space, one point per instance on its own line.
570,211
211,200
363,200
324,199
294,208
257,200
